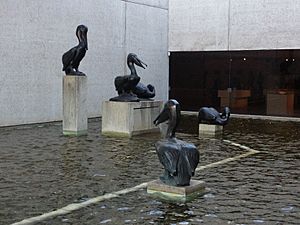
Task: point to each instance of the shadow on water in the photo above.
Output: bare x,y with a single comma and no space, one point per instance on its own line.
42,170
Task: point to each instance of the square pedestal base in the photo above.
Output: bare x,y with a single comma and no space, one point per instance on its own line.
209,129
176,194
74,133
129,118
75,121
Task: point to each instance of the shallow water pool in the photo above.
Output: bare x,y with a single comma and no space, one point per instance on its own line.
42,170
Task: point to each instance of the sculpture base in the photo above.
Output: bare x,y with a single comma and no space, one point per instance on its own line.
75,133
210,129
125,98
75,120
76,74
183,194
146,99
129,118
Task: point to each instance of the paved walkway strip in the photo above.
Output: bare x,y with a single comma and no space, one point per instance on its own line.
76,206
248,153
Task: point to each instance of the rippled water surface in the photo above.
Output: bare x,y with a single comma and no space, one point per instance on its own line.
41,170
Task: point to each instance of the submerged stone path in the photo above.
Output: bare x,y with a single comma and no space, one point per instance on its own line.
248,153
76,206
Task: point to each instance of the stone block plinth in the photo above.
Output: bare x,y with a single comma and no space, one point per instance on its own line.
177,194
129,118
210,129
75,121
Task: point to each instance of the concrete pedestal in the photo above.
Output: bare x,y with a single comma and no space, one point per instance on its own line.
208,129
75,121
178,194
129,118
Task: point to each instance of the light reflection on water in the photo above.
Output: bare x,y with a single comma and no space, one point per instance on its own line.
42,170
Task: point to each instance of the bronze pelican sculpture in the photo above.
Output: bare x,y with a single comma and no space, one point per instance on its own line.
210,115
128,87
71,59
125,84
144,92
179,158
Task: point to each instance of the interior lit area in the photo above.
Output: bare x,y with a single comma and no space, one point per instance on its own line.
260,82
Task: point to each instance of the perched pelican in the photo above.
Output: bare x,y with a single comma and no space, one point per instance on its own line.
125,84
179,158
71,59
212,116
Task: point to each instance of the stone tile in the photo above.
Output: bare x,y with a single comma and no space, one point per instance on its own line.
178,194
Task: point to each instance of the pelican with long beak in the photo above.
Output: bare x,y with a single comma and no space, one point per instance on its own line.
71,59
170,113
126,84
179,158
132,60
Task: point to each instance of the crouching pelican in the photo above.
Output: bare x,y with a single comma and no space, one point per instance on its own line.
179,158
210,115
125,84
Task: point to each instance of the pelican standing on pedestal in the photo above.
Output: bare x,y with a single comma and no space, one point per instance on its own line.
71,59
179,158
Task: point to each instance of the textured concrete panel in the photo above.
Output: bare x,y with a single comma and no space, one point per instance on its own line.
268,24
198,25
35,34
129,118
147,36
107,43
164,4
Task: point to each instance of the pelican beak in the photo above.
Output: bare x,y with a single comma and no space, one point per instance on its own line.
82,35
162,117
84,39
86,44
139,62
226,113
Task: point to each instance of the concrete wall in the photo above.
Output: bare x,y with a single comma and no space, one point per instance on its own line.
201,25
35,34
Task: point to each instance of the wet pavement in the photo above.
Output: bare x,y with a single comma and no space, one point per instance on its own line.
41,170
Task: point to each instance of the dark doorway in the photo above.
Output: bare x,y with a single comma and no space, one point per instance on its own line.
264,82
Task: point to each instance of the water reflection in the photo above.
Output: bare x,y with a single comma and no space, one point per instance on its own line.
41,170
73,155
171,213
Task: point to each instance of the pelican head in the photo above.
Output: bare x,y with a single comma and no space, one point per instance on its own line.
81,33
225,116
225,113
133,59
170,113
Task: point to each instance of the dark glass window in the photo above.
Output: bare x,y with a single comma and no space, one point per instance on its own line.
264,82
